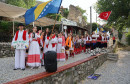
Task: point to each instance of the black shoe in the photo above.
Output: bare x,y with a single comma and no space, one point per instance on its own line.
23,69
15,69
42,65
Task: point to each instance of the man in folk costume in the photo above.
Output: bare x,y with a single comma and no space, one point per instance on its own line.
88,42
61,48
105,42
94,40
99,40
20,54
102,42
34,50
68,45
77,45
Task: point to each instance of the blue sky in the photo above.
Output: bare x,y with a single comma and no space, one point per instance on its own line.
84,4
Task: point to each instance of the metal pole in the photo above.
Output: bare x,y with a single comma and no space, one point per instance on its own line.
96,17
13,26
33,24
90,19
41,27
62,27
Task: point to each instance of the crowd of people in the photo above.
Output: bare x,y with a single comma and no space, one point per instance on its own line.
65,45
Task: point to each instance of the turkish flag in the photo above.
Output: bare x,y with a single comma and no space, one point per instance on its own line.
105,15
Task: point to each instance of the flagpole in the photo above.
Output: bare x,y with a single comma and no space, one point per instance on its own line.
55,22
110,14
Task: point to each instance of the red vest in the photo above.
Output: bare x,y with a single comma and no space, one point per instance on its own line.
24,35
47,44
53,44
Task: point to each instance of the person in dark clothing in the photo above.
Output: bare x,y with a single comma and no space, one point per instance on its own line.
114,39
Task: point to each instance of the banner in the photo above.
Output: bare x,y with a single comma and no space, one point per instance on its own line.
20,44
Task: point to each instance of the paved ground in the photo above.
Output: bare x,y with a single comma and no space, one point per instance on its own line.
113,72
7,64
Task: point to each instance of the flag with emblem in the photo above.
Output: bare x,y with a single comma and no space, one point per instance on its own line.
41,10
101,29
97,30
105,15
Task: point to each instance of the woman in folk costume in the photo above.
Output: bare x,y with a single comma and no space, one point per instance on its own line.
80,45
72,47
20,54
45,42
74,40
42,43
83,44
34,50
61,48
52,42
88,43
68,45
76,45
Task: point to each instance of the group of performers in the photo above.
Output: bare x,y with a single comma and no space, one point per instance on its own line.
66,45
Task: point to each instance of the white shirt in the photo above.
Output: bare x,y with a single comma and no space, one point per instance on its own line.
20,37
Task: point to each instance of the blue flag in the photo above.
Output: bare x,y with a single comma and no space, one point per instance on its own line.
41,10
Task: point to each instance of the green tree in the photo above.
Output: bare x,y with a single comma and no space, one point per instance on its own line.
94,26
22,3
65,12
53,16
82,11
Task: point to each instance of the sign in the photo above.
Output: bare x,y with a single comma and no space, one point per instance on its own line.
20,44
65,27
68,22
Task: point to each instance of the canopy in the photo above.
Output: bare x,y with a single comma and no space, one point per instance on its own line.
7,10
41,22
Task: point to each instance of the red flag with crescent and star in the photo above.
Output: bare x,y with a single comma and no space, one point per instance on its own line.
105,15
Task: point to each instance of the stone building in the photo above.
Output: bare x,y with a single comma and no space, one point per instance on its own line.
76,15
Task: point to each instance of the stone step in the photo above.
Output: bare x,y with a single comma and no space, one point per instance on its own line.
112,56
112,59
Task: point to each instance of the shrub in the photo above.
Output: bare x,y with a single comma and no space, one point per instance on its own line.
128,38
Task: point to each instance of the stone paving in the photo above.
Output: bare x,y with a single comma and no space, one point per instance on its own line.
113,72
7,65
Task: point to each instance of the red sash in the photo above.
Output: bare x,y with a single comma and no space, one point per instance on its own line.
24,35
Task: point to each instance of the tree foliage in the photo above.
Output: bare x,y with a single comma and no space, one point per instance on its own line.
22,3
82,11
65,12
53,16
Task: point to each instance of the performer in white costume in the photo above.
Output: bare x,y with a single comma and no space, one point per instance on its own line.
20,54
61,48
34,50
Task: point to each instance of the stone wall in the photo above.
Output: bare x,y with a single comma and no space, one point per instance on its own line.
123,39
5,50
75,74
